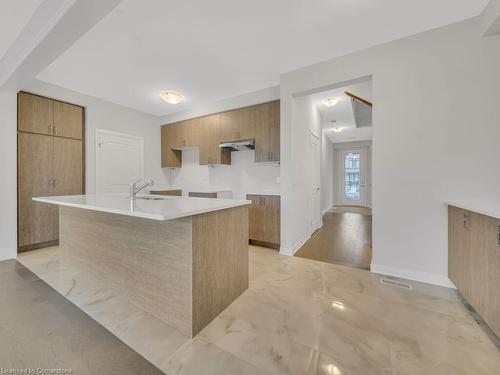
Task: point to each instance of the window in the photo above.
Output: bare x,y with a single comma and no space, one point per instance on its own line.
352,175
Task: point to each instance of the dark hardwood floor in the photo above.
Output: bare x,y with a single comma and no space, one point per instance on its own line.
42,329
345,238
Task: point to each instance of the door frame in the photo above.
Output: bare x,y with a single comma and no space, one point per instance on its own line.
364,172
315,221
98,133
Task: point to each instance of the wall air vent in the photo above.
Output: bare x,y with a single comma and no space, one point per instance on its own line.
396,283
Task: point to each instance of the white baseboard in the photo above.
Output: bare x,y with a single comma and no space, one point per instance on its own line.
423,277
292,250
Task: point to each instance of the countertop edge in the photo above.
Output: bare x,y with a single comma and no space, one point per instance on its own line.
471,206
143,215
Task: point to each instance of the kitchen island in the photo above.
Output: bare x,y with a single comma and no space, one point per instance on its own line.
182,259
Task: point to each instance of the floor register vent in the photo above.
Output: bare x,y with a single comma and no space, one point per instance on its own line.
396,283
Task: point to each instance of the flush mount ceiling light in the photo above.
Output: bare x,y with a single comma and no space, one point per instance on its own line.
330,102
172,97
338,130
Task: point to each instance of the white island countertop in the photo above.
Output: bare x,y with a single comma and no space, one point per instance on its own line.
483,207
165,208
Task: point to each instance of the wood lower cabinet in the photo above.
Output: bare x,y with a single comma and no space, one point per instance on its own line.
267,132
265,220
35,220
174,193
48,165
474,261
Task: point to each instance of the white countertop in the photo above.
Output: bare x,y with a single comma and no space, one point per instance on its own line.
487,208
165,209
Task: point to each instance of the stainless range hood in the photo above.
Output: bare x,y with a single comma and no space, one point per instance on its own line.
247,144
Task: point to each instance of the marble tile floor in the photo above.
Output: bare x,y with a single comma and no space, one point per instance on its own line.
41,330
299,316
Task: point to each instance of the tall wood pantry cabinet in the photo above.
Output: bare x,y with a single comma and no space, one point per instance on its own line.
50,161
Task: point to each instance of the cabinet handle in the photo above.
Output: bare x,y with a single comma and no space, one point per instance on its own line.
50,182
55,182
498,236
50,132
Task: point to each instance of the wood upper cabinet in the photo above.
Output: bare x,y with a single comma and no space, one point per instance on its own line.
68,120
35,220
267,132
474,261
35,114
40,115
170,158
210,138
265,219
238,124
260,122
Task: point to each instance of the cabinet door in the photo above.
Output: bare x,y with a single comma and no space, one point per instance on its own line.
210,138
68,120
459,250
256,212
238,124
191,133
35,220
274,131
170,158
273,219
486,269
267,130
478,263
67,172
35,114
264,218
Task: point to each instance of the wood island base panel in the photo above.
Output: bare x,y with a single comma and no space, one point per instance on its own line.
184,271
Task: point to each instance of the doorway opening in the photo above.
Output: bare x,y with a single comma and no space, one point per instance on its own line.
341,225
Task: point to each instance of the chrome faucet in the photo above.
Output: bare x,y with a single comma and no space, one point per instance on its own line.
134,189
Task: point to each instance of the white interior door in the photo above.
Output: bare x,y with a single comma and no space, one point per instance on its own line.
353,177
119,161
315,213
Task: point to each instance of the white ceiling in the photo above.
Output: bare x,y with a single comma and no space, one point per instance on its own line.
342,113
14,15
210,50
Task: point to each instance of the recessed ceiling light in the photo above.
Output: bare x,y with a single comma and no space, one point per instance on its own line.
172,97
338,130
330,102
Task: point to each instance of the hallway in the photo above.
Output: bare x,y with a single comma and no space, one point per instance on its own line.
344,238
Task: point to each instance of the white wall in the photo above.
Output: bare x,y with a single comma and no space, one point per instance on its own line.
243,176
337,188
101,114
8,172
299,184
327,170
435,136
